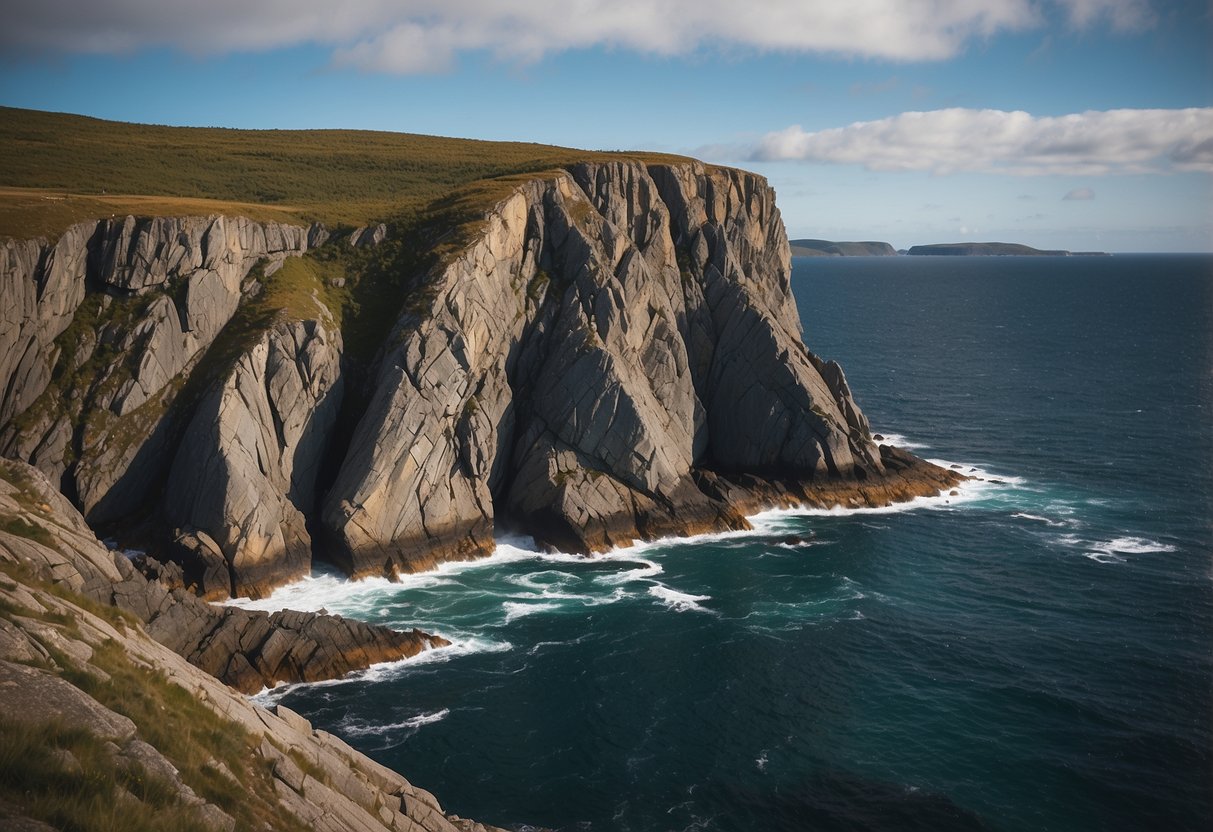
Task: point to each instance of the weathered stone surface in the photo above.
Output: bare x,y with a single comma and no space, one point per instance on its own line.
180,278
42,285
245,473
416,484
35,696
607,359
613,333
341,789
247,649
368,235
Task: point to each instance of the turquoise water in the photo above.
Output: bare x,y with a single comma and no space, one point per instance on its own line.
1031,654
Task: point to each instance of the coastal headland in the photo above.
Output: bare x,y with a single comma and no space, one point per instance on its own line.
379,351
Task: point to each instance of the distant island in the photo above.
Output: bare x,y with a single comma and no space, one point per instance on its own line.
828,248
996,250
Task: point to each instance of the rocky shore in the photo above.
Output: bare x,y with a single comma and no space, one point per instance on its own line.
606,353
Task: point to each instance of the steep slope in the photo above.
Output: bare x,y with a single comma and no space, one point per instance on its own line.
99,718
609,352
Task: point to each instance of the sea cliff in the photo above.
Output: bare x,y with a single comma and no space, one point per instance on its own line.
612,352
595,354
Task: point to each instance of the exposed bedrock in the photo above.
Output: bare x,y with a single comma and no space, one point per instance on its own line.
614,332
41,532
244,476
615,354
106,323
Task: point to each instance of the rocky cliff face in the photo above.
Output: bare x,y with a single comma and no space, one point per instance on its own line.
616,354
614,334
43,535
97,711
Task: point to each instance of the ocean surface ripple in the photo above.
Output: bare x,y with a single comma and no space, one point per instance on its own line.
1030,653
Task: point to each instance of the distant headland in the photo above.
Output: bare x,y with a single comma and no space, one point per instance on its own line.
829,248
997,250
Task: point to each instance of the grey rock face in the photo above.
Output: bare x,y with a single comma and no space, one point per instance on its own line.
614,331
415,486
244,476
42,285
170,286
318,781
249,650
614,341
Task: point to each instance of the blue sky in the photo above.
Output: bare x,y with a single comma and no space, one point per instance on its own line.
1083,124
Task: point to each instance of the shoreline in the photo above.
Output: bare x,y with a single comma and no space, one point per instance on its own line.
906,492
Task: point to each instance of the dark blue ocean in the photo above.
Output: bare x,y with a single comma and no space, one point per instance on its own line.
1035,653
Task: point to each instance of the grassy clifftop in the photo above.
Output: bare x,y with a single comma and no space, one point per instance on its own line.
57,169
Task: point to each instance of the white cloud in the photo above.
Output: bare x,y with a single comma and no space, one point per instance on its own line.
1079,195
407,36
994,141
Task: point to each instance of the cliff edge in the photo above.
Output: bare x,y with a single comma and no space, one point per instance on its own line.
608,352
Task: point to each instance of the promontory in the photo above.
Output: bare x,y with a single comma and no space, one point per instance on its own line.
232,354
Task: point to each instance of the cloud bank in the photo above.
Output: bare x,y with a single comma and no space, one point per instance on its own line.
995,141
411,36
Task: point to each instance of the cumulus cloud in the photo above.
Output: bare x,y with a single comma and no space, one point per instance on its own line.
995,141
1079,194
407,36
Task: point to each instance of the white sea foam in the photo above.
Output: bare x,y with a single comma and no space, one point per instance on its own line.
515,610
1131,546
1105,557
647,569
897,439
390,670
678,601
1023,515
357,728
1115,550
761,760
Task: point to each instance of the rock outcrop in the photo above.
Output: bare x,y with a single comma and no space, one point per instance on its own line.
615,354
244,477
614,333
90,400
92,701
41,532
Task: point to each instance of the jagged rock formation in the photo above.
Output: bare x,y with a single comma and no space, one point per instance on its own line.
59,660
245,473
163,290
42,532
613,335
615,355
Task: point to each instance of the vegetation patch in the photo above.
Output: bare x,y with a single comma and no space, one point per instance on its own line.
21,527
59,169
87,795
65,777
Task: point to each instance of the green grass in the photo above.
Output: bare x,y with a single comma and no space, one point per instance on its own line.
47,787
56,169
167,717
23,528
